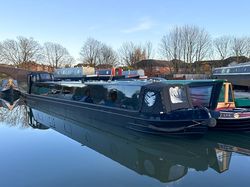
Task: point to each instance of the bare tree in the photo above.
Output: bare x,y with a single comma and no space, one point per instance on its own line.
186,43
1,52
222,46
189,42
131,53
56,55
19,51
248,47
148,48
171,47
90,52
108,56
203,45
239,46
126,53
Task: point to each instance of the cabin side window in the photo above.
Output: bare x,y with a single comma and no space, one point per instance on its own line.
247,69
201,96
83,94
119,96
45,76
67,92
222,94
177,94
97,93
230,94
40,89
130,98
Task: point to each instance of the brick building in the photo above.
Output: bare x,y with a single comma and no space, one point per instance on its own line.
33,66
154,68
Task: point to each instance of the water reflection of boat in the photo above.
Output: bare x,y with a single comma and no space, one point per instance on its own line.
153,108
9,105
232,142
165,159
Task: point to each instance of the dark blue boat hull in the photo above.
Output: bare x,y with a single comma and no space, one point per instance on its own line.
90,113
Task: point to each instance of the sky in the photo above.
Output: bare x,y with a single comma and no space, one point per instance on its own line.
71,22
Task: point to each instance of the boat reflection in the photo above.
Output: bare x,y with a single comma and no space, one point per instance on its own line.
9,105
9,94
165,159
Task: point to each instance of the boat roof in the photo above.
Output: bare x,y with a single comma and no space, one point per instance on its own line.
115,82
125,82
194,81
235,66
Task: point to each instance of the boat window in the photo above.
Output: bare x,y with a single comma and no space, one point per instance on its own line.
120,96
40,89
234,70
98,93
177,94
248,69
201,96
45,76
230,94
83,94
67,92
55,90
129,96
222,94
78,93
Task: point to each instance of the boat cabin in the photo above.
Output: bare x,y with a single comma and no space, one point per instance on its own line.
149,98
203,93
226,98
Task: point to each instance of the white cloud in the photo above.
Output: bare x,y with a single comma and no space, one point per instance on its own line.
143,25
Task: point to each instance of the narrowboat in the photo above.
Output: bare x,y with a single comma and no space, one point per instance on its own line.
231,117
157,108
238,75
217,95
165,159
10,88
90,73
74,74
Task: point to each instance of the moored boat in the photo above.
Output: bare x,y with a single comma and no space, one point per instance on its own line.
238,75
156,108
231,117
9,88
218,97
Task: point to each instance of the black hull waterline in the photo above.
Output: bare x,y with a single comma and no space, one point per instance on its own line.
91,113
234,125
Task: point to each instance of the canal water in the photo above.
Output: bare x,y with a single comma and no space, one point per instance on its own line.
70,153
